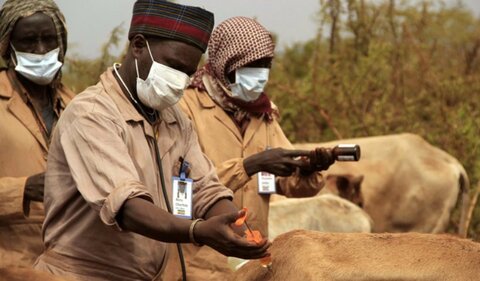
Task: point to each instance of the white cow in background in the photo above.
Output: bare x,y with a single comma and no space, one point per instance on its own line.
326,213
408,184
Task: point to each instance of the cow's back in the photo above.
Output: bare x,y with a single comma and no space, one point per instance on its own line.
408,185
308,256
27,274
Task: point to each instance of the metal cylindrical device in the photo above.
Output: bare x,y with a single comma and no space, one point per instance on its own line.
346,152
321,158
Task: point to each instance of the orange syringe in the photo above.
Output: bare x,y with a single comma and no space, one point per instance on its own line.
253,236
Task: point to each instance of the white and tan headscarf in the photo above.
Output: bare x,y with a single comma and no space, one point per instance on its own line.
234,43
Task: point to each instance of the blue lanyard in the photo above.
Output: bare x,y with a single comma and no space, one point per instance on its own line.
184,166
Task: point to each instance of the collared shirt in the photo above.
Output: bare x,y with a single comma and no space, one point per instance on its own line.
222,142
102,154
48,116
23,153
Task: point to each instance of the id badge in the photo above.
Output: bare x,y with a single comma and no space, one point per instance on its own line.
266,183
182,197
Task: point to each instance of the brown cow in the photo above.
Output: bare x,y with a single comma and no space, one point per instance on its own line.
27,274
314,256
408,185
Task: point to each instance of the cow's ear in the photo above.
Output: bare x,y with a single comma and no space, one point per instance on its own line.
359,178
357,182
342,183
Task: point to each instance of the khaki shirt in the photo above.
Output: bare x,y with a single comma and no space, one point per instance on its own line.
23,153
223,143
102,154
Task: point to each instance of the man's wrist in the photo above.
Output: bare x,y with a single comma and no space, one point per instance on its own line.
249,166
191,232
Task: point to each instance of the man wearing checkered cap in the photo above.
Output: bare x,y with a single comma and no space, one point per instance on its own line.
116,150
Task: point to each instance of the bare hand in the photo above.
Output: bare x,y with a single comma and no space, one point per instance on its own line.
277,161
217,233
34,187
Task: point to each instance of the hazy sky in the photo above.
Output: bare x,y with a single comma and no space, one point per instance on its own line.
91,21
291,20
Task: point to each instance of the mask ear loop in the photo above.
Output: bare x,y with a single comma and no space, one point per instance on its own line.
149,51
11,55
136,68
136,63
115,66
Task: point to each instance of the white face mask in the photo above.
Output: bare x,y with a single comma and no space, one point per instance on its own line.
40,69
163,87
249,83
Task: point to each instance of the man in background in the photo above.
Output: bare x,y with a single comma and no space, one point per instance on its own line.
33,41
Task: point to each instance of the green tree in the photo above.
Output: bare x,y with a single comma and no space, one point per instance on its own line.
79,73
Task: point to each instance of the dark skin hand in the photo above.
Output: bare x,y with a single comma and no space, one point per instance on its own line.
277,161
320,159
140,216
34,187
227,239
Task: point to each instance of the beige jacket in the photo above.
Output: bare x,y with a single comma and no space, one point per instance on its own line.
102,154
23,152
222,142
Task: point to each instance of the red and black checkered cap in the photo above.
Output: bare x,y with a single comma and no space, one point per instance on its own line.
192,25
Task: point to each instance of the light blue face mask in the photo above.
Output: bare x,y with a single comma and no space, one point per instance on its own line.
249,83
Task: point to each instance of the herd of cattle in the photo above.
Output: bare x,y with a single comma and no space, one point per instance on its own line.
403,184
403,189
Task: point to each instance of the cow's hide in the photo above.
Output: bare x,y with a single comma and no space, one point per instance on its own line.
327,213
27,274
408,184
314,256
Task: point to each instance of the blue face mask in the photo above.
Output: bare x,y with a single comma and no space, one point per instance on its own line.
249,83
